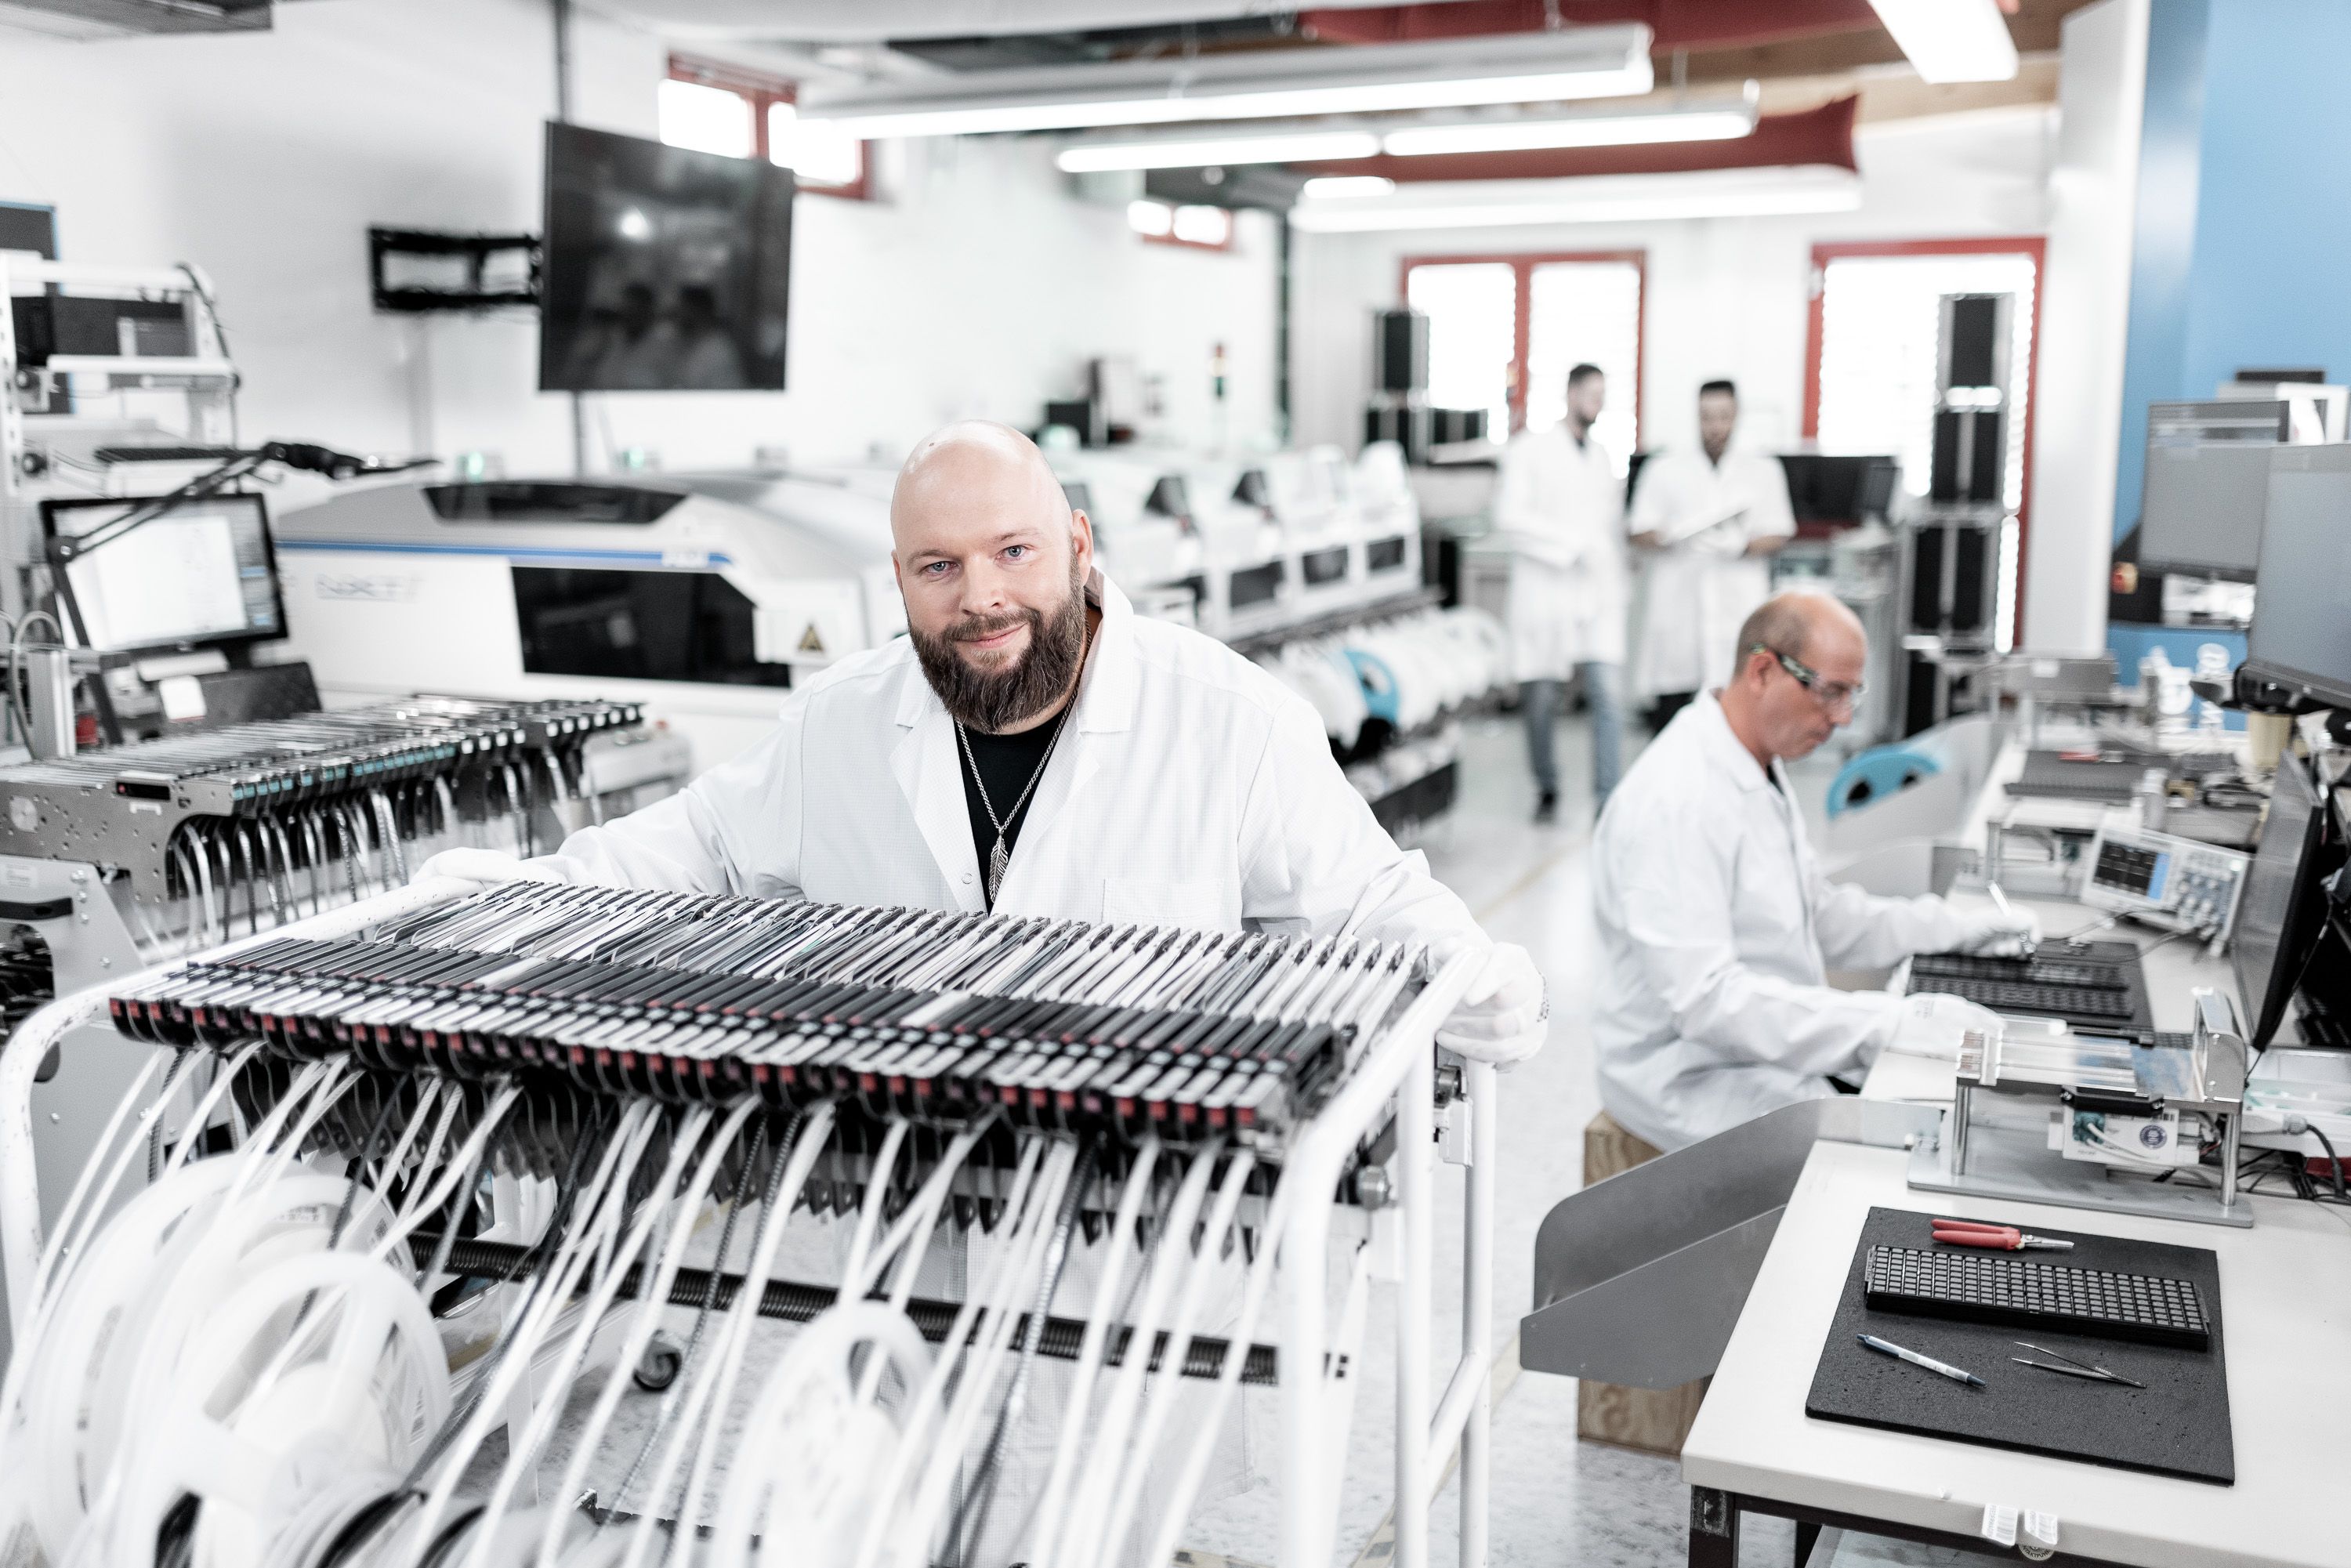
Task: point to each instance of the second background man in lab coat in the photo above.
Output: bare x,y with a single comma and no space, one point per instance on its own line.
1561,505
1704,523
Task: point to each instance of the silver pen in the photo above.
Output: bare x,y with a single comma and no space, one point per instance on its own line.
1888,1347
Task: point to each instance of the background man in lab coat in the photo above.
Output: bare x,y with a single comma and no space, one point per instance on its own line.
1704,523
1561,505
1717,927
1132,770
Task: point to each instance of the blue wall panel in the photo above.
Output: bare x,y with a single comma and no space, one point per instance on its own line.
2273,213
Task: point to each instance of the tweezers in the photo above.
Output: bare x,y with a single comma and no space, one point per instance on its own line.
2072,1368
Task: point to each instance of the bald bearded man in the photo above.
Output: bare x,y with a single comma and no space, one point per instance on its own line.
1035,748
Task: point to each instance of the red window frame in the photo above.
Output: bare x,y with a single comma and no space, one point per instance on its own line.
2034,245
1522,266
763,92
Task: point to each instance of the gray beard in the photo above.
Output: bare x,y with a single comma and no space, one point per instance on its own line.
992,701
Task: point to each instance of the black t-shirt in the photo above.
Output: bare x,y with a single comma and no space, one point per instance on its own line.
1006,763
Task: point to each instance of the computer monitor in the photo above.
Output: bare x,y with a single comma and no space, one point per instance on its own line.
201,575
2205,502
2300,635
2282,908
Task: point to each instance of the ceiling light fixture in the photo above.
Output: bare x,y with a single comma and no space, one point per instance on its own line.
1594,199
1715,117
1721,120
1366,78
1951,40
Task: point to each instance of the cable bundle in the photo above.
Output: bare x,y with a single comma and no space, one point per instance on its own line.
240,1363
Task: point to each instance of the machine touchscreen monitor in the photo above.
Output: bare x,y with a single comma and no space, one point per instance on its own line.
200,575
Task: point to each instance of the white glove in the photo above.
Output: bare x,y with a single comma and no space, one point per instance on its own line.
489,867
2002,936
1930,1024
1503,1015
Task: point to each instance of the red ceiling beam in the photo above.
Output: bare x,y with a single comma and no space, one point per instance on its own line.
1822,135
1677,24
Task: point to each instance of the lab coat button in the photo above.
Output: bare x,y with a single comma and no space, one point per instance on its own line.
966,877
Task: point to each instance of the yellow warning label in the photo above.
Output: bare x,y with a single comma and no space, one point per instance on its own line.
809,641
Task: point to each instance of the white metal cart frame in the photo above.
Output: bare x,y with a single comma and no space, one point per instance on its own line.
1314,1413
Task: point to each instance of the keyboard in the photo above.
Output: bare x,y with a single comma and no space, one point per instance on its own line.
2096,988
2068,1002
2034,970
1990,1287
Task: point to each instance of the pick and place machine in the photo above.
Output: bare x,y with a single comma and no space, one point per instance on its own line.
1251,546
702,597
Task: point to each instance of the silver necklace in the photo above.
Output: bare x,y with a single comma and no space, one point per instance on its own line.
999,859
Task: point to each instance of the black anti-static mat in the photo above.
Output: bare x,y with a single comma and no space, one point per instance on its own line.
2176,1425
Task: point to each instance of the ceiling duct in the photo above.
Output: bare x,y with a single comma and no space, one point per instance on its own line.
93,19
873,21
1578,63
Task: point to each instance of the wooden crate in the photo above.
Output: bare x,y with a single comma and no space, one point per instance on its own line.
1655,1420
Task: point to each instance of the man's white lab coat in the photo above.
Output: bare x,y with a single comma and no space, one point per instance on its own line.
1698,587
1562,507
1717,930
1190,788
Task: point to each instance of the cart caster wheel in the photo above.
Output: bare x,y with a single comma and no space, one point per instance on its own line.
659,1367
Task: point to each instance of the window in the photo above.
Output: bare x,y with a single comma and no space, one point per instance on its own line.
1202,228
734,113
1504,330
1875,330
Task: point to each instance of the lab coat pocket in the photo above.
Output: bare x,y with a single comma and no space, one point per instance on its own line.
1198,903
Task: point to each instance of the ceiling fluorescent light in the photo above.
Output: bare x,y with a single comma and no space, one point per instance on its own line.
1719,117
1951,40
1711,119
1594,199
1202,151
1366,78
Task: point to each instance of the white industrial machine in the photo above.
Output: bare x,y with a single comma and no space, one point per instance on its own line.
1261,543
703,597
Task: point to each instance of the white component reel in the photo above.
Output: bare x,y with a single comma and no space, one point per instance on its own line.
284,1421
159,1272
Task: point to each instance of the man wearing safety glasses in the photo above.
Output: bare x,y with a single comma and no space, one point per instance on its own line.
1717,926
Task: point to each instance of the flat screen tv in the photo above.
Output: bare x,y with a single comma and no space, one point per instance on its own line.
665,270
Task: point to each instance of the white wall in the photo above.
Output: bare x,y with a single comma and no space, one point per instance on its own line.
1725,296
978,286
2102,90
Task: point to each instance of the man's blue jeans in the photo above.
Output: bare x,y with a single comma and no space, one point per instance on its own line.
1604,697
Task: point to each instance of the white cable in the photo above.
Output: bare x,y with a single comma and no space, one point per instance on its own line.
768,1234
523,1448
1050,1514
651,1300
547,1298
1089,1503
1017,1280
869,1213
924,1402
1200,1266
970,1354
1194,1467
